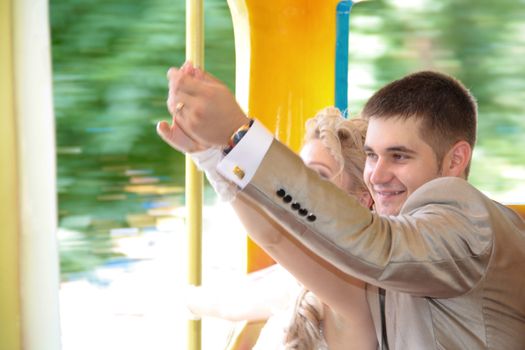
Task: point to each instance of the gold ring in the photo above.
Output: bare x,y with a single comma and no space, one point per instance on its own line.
179,107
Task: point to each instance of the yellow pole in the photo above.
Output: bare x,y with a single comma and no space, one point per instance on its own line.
10,329
194,180
285,69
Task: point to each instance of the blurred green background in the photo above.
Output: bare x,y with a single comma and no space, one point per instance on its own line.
110,58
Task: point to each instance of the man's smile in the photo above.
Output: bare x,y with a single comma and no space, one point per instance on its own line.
388,193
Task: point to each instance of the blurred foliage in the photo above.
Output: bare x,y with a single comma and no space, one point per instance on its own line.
110,58
479,42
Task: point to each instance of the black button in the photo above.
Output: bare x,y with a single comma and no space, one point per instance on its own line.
296,206
303,212
311,217
280,193
287,198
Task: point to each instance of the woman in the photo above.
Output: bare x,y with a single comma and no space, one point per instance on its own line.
334,148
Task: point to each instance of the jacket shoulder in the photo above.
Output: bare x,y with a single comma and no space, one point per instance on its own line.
452,191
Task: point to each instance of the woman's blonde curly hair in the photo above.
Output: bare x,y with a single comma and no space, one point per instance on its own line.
344,138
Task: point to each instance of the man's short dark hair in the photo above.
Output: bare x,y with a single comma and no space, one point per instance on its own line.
448,111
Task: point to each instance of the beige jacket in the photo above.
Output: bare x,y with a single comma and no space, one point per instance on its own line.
452,262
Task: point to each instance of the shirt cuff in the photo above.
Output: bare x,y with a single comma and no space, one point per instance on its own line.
244,159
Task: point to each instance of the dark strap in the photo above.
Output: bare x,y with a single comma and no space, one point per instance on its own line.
384,339
237,136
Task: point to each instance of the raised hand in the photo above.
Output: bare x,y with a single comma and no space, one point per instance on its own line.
172,134
202,107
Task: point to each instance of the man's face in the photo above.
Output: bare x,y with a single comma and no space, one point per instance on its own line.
398,162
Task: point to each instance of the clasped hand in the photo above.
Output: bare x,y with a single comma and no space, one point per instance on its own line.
204,111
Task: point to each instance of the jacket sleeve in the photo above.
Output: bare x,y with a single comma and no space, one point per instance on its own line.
439,246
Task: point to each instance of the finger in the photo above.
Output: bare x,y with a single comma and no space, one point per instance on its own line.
188,68
187,121
174,136
199,74
171,102
181,81
164,131
181,124
174,77
202,75
174,97
171,71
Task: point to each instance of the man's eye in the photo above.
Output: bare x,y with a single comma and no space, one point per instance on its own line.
397,156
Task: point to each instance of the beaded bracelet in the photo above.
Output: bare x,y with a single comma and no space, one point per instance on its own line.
237,136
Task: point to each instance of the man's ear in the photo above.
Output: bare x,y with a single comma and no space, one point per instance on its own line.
457,159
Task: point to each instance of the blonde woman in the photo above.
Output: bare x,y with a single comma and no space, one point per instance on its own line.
337,316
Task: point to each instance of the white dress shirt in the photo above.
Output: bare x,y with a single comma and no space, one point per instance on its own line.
244,159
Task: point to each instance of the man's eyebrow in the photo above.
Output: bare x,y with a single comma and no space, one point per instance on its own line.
402,149
392,149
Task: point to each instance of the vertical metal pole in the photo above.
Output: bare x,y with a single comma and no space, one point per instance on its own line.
194,180
341,55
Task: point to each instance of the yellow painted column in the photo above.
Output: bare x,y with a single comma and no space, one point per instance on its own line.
10,329
285,69
292,63
285,73
194,178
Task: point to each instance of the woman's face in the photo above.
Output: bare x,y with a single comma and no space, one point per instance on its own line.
316,156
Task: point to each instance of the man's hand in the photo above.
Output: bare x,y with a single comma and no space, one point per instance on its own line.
202,107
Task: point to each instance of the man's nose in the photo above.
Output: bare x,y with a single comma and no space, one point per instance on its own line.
381,173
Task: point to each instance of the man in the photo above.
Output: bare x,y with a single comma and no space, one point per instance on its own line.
448,257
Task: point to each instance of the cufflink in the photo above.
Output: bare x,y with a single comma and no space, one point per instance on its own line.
238,172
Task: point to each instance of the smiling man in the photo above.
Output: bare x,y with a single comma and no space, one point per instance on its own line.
398,163
421,127
449,258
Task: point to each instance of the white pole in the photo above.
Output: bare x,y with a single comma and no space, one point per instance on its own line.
39,267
